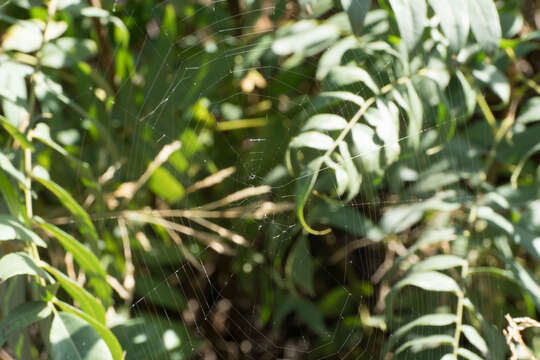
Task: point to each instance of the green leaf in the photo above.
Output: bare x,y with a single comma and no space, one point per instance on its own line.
82,255
430,280
20,263
13,229
415,111
367,151
332,56
354,178
467,354
485,24
425,320
454,21
411,17
73,338
306,39
346,218
530,111
15,133
14,93
325,122
300,265
341,76
438,262
86,301
312,139
107,336
86,226
475,338
22,316
10,195
426,341
490,76
387,129
7,166
162,183
66,51
24,36
356,11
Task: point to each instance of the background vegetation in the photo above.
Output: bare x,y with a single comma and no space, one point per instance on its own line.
269,179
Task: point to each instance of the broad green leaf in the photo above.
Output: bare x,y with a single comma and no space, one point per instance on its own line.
86,226
312,139
20,263
14,93
454,19
475,338
15,133
325,122
522,162
332,56
367,151
399,218
310,314
415,112
73,338
356,11
25,36
411,17
162,183
468,354
387,129
485,24
521,275
300,265
112,343
86,301
354,178
307,42
425,320
530,111
7,166
490,76
12,229
10,195
431,341
22,316
438,262
341,177
341,76
66,52
346,218
430,280
82,255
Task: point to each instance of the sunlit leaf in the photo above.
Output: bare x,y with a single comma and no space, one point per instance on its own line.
11,229
454,19
485,23
86,301
19,263
411,17
73,338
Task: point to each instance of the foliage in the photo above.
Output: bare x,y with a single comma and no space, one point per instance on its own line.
408,126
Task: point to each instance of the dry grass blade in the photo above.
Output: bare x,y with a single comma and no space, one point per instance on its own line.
213,241
178,241
129,279
252,211
221,231
513,335
211,180
128,189
237,196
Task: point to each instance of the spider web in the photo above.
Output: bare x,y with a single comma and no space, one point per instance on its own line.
195,309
